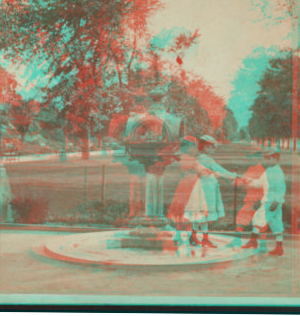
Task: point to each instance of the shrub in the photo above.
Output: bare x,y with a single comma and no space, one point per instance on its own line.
29,208
97,212
114,211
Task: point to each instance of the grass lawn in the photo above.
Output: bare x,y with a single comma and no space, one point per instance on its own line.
62,184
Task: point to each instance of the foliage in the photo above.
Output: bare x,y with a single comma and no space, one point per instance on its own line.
180,101
213,104
29,208
272,108
274,12
244,133
95,212
246,82
229,127
96,56
79,44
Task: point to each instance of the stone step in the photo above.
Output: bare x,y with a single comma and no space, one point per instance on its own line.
143,242
149,243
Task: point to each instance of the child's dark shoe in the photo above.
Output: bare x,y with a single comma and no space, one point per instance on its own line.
252,243
278,251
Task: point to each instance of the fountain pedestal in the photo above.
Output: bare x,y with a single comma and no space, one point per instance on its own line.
151,134
150,222
151,238
148,184
154,195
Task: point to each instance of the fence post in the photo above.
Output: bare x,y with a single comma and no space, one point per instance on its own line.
85,175
103,183
278,144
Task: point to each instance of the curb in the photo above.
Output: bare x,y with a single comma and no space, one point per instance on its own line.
55,156
9,226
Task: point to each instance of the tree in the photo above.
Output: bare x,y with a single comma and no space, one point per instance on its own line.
214,105
76,40
244,133
274,12
9,99
180,101
24,115
228,130
272,108
246,82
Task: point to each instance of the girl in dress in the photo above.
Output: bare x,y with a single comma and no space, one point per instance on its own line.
188,204
210,186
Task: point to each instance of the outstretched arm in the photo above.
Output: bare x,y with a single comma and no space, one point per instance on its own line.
256,183
218,169
203,171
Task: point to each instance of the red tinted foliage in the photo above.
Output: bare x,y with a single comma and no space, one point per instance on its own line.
210,101
8,88
30,209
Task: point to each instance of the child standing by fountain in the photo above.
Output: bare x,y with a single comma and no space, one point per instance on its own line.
252,199
188,204
207,146
269,214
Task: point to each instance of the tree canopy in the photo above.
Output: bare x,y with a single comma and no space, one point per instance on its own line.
272,108
74,39
96,56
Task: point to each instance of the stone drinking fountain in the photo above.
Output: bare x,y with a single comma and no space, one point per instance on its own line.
151,137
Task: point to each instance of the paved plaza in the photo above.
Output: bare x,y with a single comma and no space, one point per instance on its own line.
22,271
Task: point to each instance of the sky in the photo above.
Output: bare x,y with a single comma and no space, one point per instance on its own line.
230,32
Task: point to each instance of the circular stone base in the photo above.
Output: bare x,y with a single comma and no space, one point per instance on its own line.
93,248
145,221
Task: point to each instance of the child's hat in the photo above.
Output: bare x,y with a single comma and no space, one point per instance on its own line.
209,139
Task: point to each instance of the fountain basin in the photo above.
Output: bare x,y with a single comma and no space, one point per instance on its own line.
104,248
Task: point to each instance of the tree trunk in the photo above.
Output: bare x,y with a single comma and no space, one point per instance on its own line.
130,62
85,146
63,150
119,75
99,136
